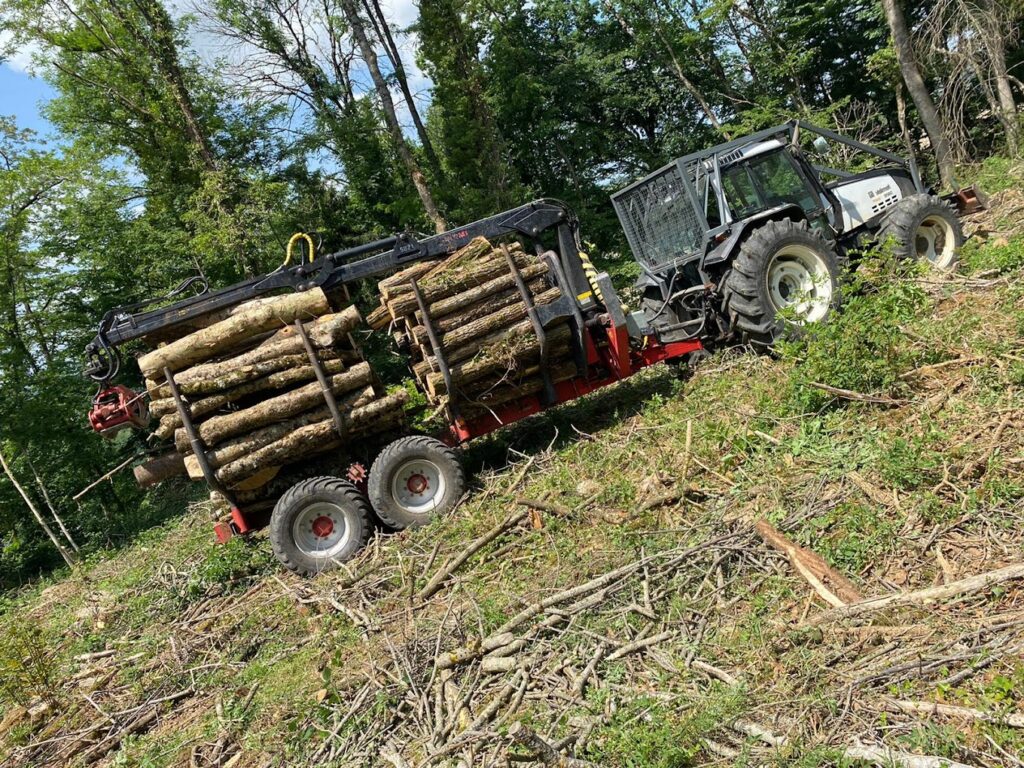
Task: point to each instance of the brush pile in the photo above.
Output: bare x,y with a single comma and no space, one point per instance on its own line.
481,323
254,395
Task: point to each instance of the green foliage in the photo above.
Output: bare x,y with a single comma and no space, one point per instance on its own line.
28,663
864,347
1003,256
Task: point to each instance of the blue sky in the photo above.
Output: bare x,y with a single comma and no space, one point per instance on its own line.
21,95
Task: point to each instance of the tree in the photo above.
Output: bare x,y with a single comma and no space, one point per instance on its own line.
369,55
918,90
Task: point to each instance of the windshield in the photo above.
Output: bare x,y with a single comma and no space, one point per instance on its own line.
766,182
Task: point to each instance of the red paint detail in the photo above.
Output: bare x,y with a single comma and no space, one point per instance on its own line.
240,521
116,408
223,532
417,484
323,526
357,475
610,358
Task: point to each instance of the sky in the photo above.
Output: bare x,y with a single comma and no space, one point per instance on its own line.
22,94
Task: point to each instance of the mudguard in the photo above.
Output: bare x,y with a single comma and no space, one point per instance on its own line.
724,250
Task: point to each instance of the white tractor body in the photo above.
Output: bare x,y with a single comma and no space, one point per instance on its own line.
865,198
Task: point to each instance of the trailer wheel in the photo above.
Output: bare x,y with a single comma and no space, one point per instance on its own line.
318,524
925,228
783,266
415,479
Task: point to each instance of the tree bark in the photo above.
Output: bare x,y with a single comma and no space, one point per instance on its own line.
919,91
168,408
490,273
383,32
243,445
154,471
49,504
68,557
219,428
314,438
222,336
355,22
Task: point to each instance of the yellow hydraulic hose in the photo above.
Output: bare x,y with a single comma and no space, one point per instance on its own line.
291,244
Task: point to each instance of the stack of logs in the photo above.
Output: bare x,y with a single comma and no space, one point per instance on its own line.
255,398
481,323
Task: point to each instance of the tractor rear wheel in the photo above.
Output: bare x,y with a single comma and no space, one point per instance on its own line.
318,524
785,275
924,228
414,480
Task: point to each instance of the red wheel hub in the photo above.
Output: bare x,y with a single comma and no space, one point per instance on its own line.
323,526
417,484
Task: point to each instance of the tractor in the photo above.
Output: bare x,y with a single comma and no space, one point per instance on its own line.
769,231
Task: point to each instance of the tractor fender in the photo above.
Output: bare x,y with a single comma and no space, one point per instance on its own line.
724,250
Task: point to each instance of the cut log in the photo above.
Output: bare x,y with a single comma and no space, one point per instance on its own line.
487,324
311,439
477,346
220,428
325,333
505,355
482,308
222,336
442,288
487,396
379,318
159,469
503,282
168,412
399,282
235,449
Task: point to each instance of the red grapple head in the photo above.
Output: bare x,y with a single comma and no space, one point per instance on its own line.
117,407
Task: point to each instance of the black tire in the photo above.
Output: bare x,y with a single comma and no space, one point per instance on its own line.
908,222
438,475
747,300
328,498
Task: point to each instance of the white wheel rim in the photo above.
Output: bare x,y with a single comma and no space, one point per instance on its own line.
799,280
320,530
935,241
418,486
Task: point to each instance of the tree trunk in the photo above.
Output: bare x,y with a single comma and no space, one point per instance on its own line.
49,504
222,336
170,420
390,116
68,557
243,445
314,438
919,91
383,32
161,468
996,44
219,428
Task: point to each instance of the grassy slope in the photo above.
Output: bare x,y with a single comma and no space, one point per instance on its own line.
276,670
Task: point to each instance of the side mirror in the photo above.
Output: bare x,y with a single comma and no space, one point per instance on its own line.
820,145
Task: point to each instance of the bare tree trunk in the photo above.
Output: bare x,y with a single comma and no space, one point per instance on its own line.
383,32
918,90
68,558
390,116
53,509
996,45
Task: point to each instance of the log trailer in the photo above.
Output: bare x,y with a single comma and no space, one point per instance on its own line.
728,239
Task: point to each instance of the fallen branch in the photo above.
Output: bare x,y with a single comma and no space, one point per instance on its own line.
1013,719
544,752
811,566
884,757
849,394
921,596
638,645
452,565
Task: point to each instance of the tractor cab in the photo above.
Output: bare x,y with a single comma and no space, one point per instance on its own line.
767,176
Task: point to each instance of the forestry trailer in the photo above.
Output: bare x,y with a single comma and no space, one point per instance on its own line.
736,244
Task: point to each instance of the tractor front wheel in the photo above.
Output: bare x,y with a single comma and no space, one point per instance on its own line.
318,524
414,480
925,228
785,275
